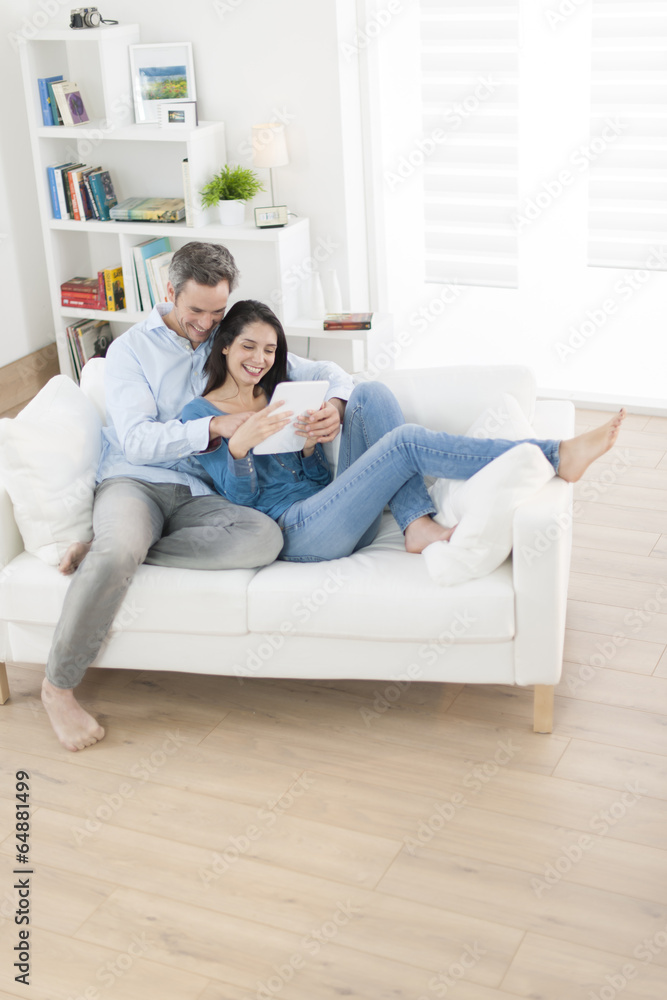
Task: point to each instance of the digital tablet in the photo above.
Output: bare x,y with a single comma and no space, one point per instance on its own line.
298,397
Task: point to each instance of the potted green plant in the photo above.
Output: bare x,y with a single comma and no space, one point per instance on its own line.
229,189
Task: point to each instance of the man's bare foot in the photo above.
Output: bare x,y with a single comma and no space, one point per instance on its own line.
74,556
578,453
423,531
73,726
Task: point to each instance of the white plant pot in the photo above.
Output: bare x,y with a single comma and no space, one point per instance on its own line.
232,213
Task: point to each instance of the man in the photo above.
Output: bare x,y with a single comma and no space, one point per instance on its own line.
154,503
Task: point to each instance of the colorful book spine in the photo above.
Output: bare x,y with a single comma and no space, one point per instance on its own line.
53,190
73,185
103,192
45,98
114,287
90,197
53,104
85,198
82,303
60,187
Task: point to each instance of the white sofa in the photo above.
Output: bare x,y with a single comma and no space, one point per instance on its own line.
376,614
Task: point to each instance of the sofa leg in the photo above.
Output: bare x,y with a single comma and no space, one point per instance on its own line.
4,684
543,708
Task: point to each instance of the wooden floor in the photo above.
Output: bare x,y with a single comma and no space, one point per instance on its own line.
229,842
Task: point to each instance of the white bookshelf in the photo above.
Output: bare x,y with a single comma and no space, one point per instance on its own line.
144,161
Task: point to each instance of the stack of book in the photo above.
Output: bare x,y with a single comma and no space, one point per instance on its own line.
80,192
87,339
61,102
151,264
106,291
347,321
149,210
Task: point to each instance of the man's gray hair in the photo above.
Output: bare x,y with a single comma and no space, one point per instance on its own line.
203,263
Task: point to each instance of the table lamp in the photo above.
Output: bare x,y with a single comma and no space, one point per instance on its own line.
269,150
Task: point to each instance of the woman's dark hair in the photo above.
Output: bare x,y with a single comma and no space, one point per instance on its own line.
231,327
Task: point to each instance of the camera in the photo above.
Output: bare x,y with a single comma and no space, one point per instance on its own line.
85,17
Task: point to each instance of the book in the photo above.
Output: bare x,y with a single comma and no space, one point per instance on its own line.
73,174
87,339
141,252
70,103
53,190
162,271
90,210
84,293
53,104
64,174
93,340
149,210
347,321
187,193
45,98
85,179
114,288
103,192
153,265
63,200
74,356
77,303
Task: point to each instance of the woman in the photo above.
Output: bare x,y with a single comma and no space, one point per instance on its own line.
382,460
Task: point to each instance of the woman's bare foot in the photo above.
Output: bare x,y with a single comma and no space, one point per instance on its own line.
73,726
423,531
578,453
74,556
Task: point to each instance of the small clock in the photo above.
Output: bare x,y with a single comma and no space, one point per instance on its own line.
271,217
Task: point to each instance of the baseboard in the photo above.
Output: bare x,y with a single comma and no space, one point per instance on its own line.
22,379
600,401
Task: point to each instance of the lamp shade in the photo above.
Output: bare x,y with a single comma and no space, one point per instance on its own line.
268,145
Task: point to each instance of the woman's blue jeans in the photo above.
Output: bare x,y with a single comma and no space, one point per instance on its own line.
382,460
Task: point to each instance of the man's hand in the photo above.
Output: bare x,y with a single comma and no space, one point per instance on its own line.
225,425
320,426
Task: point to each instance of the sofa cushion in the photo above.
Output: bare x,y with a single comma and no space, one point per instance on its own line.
160,599
483,506
483,512
381,592
48,458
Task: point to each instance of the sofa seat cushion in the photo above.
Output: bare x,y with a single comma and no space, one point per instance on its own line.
381,592
190,601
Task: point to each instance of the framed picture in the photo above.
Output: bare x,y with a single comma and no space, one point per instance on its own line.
161,74
182,114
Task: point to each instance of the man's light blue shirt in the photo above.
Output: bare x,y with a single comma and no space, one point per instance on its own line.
149,376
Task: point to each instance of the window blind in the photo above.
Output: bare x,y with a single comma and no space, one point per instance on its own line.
469,61
628,176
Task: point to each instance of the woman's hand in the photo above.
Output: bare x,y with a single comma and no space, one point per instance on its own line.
257,428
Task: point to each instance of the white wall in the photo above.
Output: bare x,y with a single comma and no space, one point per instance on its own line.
625,356
257,58
254,60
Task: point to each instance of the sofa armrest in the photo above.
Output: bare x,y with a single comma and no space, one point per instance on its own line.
541,568
541,561
11,543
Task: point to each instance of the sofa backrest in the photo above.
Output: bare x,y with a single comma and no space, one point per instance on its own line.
92,385
450,399
443,399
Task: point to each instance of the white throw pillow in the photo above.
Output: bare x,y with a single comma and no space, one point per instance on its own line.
49,455
483,506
